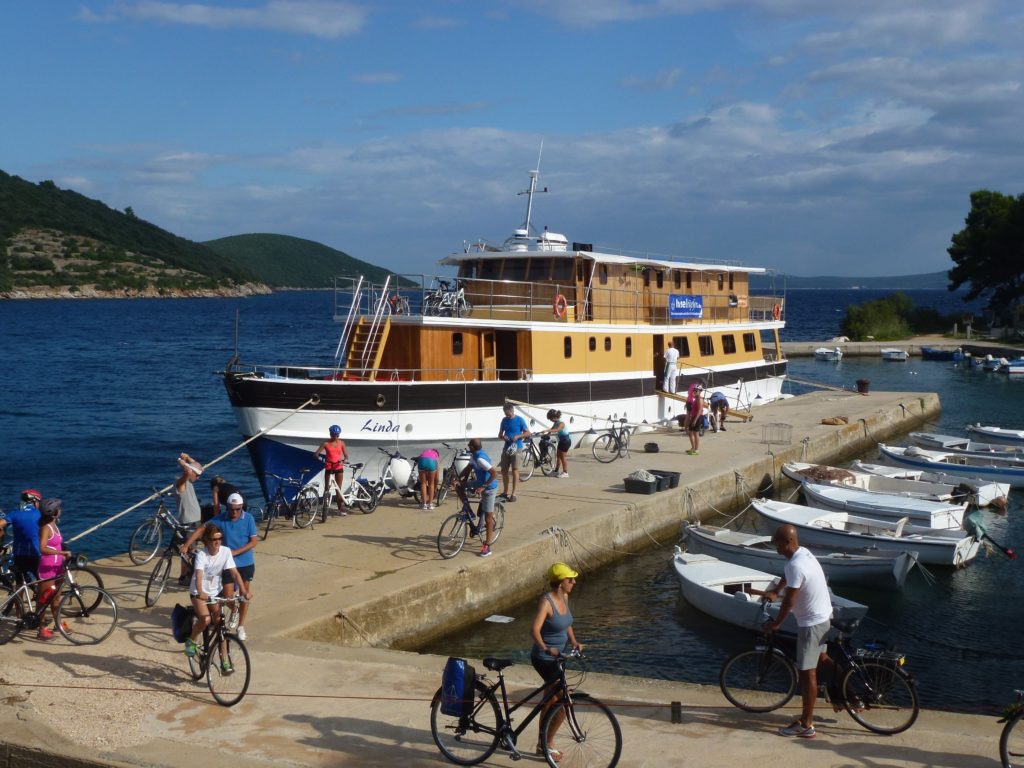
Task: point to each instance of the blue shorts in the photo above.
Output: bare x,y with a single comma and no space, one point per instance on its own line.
427,465
487,497
245,571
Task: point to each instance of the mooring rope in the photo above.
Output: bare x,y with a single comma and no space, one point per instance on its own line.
818,384
157,494
645,424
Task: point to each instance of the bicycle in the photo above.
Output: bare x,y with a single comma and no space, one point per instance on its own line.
457,528
613,443
359,492
388,482
147,537
162,570
537,457
228,678
85,575
449,476
301,509
446,301
1011,741
590,735
874,688
92,608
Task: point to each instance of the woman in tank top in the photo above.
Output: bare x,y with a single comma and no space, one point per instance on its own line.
552,631
51,560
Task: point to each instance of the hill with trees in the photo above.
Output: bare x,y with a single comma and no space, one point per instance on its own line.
933,281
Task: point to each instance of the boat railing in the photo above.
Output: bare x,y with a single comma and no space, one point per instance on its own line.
396,375
554,302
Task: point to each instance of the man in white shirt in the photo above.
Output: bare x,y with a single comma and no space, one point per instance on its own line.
808,598
671,358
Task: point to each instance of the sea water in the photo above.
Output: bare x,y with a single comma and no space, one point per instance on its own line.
100,396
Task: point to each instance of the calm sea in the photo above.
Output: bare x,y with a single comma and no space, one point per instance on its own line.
101,396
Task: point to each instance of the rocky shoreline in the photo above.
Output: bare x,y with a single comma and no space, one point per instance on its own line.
91,292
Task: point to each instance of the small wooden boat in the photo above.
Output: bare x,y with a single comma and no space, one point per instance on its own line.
857,568
828,355
937,515
935,442
1013,367
985,493
717,588
997,434
819,528
988,467
935,353
892,354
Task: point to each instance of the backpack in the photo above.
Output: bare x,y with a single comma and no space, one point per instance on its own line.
181,622
457,683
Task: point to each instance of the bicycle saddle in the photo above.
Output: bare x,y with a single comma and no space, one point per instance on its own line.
357,466
846,626
497,664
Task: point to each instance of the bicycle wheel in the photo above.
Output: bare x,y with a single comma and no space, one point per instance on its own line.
11,612
761,680
464,308
158,579
86,626
228,671
590,737
469,739
880,697
451,538
275,509
499,522
146,540
605,448
529,459
197,663
624,442
444,487
547,462
366,499
1011,742
88,577
307,504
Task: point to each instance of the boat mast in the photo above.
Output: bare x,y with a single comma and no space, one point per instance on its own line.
532,190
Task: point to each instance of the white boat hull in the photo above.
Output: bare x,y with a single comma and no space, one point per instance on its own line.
923,512
968,465
998,434
985,493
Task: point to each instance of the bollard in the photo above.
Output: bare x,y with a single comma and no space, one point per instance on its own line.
677,712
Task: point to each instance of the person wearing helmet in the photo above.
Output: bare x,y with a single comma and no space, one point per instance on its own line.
335,454
24,523
551,632
51,560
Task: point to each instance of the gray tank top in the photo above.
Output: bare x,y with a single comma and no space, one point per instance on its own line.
189,512
554,631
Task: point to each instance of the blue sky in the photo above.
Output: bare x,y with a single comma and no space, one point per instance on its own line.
812,137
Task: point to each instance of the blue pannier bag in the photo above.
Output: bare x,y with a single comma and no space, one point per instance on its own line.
457,684
181,622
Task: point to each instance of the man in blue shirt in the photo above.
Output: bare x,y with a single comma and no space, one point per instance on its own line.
239,530
24,523
512,430
486,483
719,410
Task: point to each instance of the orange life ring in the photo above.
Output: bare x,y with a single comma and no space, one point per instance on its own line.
560,306
776,312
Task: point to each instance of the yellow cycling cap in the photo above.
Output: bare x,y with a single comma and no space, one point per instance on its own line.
560,571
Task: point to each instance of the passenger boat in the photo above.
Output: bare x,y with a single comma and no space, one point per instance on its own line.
893,354
717,588
925,484
828,355
538,321
922,512
954,444
820,528
997,434
864,568
987,467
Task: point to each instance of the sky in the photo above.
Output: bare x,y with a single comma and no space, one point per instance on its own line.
812,137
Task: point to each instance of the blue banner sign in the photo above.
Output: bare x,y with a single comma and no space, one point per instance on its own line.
681,306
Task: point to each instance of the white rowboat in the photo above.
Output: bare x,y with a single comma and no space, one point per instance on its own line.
998,434
937,515
987,467
985,493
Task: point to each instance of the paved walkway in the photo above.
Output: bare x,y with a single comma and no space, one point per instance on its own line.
372,580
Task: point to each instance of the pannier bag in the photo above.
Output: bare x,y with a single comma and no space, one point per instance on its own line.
457,684
181,622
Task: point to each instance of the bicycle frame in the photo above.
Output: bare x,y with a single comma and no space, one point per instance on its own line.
558,689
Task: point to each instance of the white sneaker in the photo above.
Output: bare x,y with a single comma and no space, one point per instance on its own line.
563,474
241,633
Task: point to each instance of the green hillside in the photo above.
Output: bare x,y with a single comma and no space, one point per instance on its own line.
929,281
57,237
284,261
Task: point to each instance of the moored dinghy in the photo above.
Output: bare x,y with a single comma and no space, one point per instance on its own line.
985,493
986,466
858,568
817,527
922,512
716,588
829,355
997,434
881,482
893,354
935,442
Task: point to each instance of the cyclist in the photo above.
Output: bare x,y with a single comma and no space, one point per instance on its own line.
207,582
51,559
24,523
564,442
485,482
551,632
335,454
512,430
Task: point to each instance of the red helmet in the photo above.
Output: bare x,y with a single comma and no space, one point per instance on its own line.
31,494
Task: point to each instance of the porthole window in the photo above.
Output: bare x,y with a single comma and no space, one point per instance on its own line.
456,343
568,346
593,343
607,343
629,346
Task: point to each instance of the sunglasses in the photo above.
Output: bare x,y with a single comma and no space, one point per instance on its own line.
215,538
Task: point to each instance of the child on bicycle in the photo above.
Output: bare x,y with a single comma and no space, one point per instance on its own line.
207,582
335,455
485,481
564,442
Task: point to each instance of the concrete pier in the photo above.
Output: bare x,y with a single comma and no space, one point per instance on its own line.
333,604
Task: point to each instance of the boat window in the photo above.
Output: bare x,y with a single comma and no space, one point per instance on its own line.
689,280
515,269
539,270
490,269
707,346
647,277
593,343
678,278
730,280
661,279
568,346
682,344
467,269
749,342
602,274
629,346
607,343
729,344
456,343
721,281
562,270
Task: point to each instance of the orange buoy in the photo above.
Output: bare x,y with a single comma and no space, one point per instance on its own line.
560,306
776,312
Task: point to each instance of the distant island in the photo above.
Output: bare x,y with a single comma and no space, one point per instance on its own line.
930,281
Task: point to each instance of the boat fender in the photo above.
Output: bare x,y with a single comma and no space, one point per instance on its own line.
776,312
560,306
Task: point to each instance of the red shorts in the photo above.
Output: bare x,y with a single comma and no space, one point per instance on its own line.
333,466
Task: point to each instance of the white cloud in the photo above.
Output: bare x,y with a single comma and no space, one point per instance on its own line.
664,80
